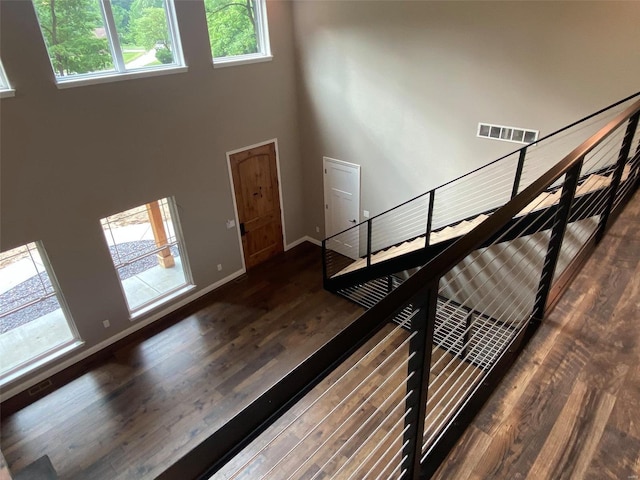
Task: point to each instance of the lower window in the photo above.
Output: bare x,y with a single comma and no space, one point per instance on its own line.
147,252
34,324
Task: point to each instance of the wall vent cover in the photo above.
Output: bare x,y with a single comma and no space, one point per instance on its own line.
507,134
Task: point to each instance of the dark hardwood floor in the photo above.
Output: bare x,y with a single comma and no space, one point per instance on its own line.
567,409
153,400
570,406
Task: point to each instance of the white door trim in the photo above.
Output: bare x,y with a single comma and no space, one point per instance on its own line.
354,166
233,194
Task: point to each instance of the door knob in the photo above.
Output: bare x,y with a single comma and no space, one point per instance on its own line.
353,221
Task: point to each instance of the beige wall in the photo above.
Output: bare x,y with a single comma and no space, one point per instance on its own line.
397,87
400,86
72,156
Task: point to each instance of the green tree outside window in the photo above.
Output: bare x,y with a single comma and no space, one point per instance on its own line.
232,27
74,32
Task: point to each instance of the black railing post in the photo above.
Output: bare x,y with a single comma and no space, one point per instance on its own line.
635,167
519,168
369,243
617,174
555,241
432,195
467,335
325,277
418,384
635,164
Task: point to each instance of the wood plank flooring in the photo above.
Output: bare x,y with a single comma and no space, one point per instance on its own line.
154,400
569,408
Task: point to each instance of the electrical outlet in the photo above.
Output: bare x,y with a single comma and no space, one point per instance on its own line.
219,267
365,213
106,323
317,229
231,223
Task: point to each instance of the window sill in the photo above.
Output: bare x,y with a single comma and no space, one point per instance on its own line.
117,77
240,60
41,361
146,309
10,92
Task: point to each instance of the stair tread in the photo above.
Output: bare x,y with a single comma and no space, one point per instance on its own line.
592,183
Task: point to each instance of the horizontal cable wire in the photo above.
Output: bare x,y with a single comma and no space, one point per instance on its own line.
350,417
384,441
495,258
483,313
369,437
463,187
334,409
455,191
404,445
524,258
502,236
458,378
402,473
343,376
522,300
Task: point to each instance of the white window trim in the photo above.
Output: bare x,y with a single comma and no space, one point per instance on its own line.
264,45
166,297
5,86
120,73
110,77
223,62
56,351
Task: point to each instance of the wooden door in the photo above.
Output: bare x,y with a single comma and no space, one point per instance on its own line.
255,182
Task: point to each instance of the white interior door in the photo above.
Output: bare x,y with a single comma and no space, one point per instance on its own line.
342,205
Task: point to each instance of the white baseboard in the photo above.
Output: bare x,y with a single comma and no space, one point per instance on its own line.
306,238
5,395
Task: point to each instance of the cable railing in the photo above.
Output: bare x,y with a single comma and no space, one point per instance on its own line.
428,223
388,400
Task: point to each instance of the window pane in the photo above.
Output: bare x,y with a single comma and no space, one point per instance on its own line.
143,31
146,252
232,27
32,321
77,41
4,83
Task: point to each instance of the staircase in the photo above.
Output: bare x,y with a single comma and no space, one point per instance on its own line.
454,282
473,332
396,257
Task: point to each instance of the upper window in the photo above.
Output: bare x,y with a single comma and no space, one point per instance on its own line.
5,88
103,38
147,252
238,31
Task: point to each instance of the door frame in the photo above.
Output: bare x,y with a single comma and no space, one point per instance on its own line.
324,187
233,194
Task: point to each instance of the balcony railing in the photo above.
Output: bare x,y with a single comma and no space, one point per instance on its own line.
389,396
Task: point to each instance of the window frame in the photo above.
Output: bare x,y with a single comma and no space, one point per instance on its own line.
56,351
5,86
120,72
163,298
262,36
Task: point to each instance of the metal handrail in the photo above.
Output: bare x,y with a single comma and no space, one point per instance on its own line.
519,150
418,289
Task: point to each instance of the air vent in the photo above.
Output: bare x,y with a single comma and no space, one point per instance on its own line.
507,134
